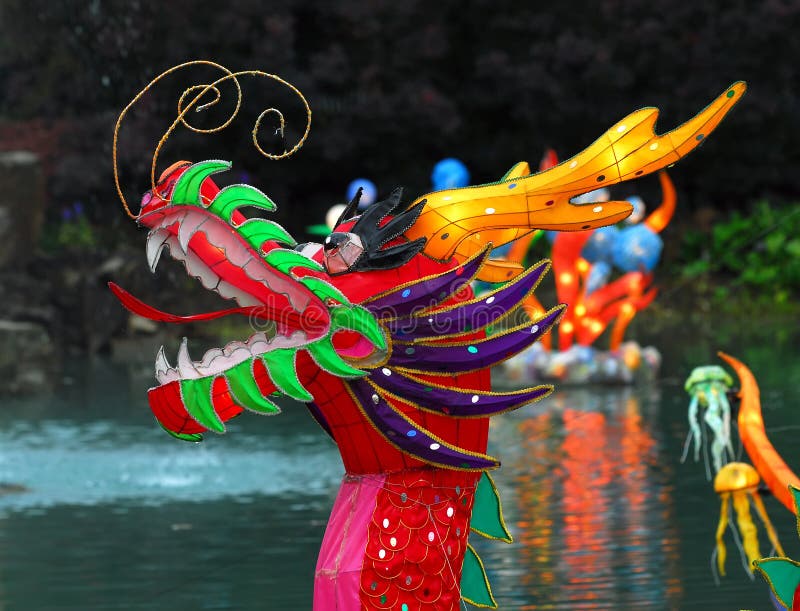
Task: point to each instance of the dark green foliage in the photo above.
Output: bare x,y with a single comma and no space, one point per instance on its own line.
760,250
395,86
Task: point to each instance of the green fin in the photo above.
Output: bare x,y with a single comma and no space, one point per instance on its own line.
284,260
187,188
323,290
256,231
796,496
245,390
475,588
361,320
197,400
783,576
326,357
195,437
236,196
281,367
487,512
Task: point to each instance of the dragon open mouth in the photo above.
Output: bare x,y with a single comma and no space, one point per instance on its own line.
215,360
250,261
211,252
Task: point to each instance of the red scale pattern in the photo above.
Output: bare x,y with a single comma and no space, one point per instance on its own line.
416,541
363,449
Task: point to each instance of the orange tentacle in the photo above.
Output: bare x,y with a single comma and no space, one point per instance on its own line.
769,464
662,215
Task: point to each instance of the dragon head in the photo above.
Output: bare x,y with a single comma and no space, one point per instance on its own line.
257,264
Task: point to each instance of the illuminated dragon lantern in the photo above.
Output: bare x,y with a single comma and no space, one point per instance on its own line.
377,331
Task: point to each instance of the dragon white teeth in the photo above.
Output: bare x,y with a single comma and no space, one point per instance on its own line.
155,245
162,365
164,371
258,343
196,268
186,368
186,229
217,360
228,291
232,347
259,336
208,358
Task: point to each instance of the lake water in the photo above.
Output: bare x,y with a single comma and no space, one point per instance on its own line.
117,515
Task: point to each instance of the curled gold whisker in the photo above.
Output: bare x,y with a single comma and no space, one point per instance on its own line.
202,91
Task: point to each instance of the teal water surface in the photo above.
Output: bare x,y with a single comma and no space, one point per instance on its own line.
103,510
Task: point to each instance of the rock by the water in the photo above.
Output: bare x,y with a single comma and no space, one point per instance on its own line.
8,488
22,197
26,357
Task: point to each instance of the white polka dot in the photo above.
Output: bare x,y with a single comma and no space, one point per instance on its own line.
534,328
475,398
621,128
490,300
573,164
386,522
431,536
450,512
430,320
489,211
386,371
393,542
597,209
382,554
654,146
435,446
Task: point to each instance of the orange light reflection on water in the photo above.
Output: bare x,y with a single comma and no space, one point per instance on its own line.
595,527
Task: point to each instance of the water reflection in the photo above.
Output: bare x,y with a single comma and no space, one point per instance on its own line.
110,513
115,514
592,504
67,462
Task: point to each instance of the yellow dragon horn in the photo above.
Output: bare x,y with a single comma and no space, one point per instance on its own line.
518,203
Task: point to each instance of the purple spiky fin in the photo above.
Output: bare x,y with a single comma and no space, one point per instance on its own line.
411,438
425,292
470,355
475,314
454,401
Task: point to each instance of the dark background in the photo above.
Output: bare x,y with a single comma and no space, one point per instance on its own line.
394,87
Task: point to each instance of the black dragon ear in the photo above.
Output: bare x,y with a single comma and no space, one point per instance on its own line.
351,208
375,236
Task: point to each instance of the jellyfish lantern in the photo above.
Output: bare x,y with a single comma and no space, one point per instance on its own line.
708,386
737,485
